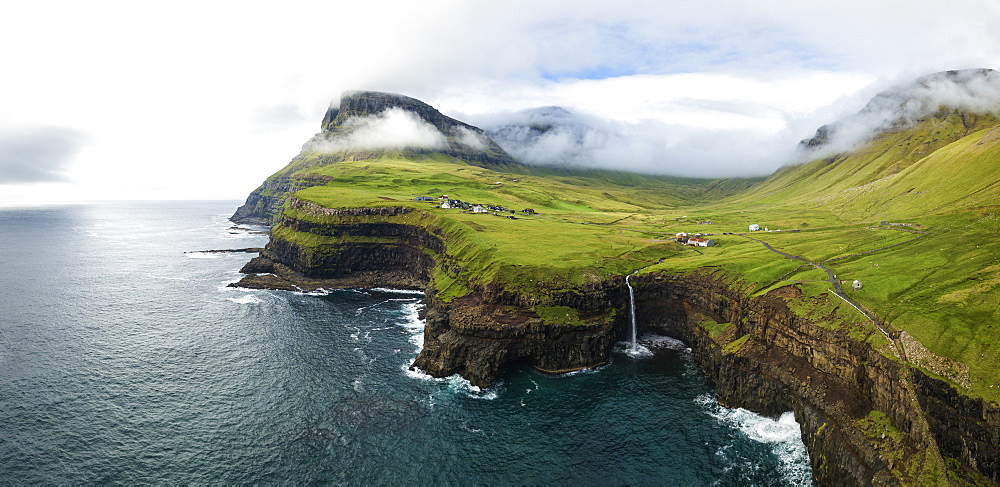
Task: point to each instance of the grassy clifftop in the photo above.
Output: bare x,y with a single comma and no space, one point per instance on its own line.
935,275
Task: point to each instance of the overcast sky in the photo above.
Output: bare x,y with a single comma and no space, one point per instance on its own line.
205,99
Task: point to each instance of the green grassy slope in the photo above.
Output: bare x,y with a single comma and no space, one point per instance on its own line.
937,278
943,163
940,176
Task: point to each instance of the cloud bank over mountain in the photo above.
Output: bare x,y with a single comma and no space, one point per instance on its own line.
394,128
973,90
235,96
553,136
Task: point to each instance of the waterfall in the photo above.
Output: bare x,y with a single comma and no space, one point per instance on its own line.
631,299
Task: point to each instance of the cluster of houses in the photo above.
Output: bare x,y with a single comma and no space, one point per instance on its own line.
445,202
696,240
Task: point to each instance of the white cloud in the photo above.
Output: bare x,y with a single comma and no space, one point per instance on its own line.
206,99
690,124
972,90
394,128
37,154
471,139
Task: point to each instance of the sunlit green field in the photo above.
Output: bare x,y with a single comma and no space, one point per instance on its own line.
937,277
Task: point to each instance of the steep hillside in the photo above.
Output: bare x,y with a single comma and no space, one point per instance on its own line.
368,125
944,162
867,304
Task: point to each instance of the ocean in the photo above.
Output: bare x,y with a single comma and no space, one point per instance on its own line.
124,358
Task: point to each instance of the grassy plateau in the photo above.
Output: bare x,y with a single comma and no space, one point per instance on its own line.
913,215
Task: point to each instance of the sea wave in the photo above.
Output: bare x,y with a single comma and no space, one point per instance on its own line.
313,292
245,299
414,325
397,291
454,385
782,435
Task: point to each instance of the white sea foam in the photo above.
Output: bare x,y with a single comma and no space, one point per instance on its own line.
245,299
314,292
655,342
782,435
415,373
414,325
202,255
638,351
460,385
454,384
397,291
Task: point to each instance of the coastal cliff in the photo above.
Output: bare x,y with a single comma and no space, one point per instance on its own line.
866,416
475,335
357,111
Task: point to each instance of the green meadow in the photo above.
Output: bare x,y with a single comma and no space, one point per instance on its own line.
912,215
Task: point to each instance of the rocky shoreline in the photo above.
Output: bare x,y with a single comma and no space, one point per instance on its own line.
866,418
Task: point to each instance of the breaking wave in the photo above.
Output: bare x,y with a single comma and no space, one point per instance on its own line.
245,299
783,436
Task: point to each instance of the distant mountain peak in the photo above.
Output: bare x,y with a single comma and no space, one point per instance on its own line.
970,90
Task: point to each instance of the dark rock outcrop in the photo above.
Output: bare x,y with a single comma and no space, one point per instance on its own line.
388,254
767,359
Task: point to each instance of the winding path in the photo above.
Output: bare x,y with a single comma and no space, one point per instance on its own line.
893,337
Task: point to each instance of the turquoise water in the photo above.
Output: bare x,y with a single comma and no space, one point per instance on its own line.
124,359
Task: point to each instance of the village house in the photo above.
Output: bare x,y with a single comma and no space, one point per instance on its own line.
701,242
754,227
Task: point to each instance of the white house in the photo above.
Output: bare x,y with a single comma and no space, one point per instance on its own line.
446,205
755,228
856,284
479,209
701,242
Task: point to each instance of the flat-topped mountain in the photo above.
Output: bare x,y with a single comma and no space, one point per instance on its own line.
369,125
392,121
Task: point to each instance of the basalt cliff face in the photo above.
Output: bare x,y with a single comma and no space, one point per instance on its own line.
348,134
867,417
474,336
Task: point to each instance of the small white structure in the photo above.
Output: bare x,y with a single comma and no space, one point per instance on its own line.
856,284
701,242
755,228
446,205
479,209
